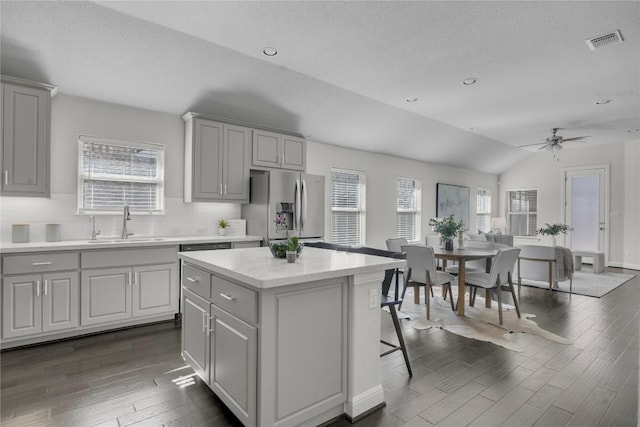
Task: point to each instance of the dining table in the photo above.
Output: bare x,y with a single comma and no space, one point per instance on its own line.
461,255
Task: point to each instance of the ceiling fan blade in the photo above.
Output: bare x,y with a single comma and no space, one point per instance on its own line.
546,147
531,145
575,138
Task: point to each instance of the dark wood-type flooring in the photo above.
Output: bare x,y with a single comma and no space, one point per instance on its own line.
134,376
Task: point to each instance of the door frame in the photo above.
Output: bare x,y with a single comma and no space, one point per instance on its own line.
565,202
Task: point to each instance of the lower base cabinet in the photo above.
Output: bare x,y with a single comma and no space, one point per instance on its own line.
195,333
37,303
114,294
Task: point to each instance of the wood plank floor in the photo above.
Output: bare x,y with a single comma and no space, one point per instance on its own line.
134,376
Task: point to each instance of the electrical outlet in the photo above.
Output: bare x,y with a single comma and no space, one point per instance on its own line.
373,298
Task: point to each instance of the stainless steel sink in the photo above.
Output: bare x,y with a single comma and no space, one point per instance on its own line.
131,240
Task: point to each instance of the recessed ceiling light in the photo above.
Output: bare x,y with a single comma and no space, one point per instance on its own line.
474,128
412,99
270,51
602,101
469,81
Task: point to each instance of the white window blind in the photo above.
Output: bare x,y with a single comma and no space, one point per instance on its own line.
347,207
117,173
408,208
522,212
483,209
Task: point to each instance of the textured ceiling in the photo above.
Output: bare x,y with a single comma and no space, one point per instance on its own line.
345,69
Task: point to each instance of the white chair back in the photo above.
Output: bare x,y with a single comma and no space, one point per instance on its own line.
503,265
395,245
420,259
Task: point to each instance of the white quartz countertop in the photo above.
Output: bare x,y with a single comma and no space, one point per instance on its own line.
106,243
258,268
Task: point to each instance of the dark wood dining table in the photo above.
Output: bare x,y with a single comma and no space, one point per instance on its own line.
461,256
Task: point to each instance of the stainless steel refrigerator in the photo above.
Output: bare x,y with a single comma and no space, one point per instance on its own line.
298,197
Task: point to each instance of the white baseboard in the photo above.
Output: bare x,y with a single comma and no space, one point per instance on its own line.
364,401
624,265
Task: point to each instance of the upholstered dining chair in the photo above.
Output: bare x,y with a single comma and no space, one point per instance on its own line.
421,271
500,275
395,245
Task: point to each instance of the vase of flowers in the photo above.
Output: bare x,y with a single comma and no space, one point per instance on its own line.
553,230
448,228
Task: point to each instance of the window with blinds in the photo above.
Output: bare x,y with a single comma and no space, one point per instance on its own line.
522,212
408,194
483,209
347,207
112,174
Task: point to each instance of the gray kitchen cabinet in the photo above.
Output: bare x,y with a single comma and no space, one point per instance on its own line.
217,160
106,295
26,132
195,333
154,289
39,303
276,150
233,369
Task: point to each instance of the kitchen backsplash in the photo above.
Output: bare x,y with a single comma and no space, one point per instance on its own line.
180,219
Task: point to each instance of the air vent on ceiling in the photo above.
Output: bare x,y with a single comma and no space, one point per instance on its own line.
604,40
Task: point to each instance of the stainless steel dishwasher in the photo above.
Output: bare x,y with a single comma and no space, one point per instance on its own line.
189,247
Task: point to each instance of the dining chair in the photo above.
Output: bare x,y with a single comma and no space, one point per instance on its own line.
421,271
395,245
500,275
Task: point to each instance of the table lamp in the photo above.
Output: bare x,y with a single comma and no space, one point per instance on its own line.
498,224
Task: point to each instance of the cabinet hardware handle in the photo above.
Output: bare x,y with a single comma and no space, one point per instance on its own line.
204,320
37,288
225,189
220,189
129,279
208,329
46,282
42,263
228,297
6,177
192,280
135,278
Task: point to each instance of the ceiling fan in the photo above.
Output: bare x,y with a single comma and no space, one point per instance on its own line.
554,142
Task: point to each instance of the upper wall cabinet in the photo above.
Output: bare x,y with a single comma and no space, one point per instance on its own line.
276,150
217,160
26,132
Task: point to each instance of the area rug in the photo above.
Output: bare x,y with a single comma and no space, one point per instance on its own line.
586,283
482,323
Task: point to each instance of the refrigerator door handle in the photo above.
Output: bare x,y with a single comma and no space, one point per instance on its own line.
304,205
297,206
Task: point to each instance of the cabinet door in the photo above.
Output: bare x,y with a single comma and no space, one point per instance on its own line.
233,372
236,163
61,301
266,148
21,305
208,154
293,152
25,141
195,333
155,289
105,295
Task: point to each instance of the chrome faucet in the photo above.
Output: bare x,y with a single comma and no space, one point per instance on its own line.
94,233
125,217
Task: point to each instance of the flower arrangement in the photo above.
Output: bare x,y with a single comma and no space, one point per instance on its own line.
280,219
447,227
554,229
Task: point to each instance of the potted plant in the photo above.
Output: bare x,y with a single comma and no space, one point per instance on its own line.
553,230
222,227
447,228
293,246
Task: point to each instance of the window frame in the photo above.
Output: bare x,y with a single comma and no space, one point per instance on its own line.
509,214
361,209
159,180
417,211
483,214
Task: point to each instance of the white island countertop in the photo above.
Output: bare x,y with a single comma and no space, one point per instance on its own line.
115,242
258,268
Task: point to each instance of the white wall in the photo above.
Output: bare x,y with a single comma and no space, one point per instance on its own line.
381,172
543,172
73,116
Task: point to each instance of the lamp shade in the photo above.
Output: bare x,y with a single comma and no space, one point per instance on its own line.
499,223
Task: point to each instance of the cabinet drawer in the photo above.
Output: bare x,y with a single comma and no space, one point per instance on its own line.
120,257
196,280
234,298
20,264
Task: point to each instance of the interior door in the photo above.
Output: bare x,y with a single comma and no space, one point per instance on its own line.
586,207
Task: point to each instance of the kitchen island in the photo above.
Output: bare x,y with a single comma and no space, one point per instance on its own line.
285,344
